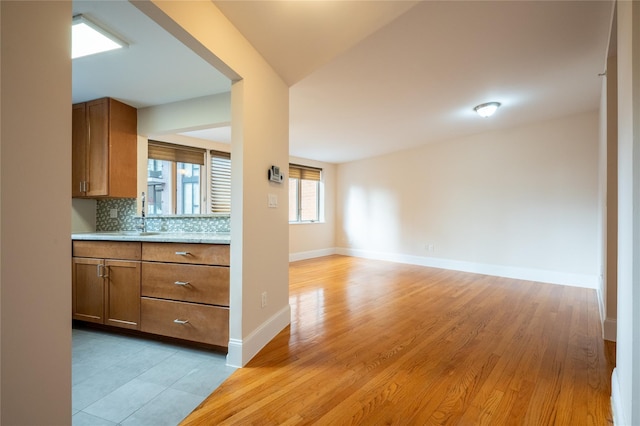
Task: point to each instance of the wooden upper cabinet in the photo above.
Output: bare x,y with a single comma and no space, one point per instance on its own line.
97,156
104,153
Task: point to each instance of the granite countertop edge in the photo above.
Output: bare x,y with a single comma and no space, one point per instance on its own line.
160,237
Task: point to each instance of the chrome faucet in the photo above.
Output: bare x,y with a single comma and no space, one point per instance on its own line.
143,221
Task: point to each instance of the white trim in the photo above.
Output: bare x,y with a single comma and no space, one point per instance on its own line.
616,404
608,325
601,308
539,275
303,255
241,351
610,329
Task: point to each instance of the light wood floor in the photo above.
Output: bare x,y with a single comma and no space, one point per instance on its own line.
373,342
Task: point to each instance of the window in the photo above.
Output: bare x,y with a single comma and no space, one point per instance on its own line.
220,182
304,193
186,180
173,179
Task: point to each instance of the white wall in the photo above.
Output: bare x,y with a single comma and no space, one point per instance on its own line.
35,248
83,215
521,202
192,114
307,240
625,386
260,138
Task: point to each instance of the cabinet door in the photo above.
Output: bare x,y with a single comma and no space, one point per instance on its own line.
97,162
122,307
78,149
123,150
88,289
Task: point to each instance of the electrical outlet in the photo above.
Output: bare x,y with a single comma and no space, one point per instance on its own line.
264,299
113,213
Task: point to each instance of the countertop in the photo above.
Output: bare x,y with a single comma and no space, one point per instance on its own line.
161,237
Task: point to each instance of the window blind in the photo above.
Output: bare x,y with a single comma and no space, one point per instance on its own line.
178,153
220,182
297,171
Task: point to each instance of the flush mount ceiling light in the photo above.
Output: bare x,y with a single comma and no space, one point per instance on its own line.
487,110
88,38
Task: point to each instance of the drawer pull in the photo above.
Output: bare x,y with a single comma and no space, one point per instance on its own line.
183,253
179,321
182,283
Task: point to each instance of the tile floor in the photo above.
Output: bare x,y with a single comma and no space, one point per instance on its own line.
124,380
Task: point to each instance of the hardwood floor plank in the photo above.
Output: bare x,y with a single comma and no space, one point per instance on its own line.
375,343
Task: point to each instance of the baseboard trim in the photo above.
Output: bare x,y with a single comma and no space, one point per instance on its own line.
539,275
241,351
303,255
616,404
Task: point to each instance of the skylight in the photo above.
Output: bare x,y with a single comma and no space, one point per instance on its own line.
89,38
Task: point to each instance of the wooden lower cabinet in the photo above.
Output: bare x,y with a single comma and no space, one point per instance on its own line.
183,320
106,283
185,291
179,290
106,291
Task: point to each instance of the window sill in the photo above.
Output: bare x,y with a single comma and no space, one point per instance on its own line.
307,223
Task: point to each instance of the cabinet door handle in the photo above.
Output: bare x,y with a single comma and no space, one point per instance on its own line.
179,321
183,253
182,283
101,271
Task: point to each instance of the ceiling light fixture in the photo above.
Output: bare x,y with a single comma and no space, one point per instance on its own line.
88,38
487,110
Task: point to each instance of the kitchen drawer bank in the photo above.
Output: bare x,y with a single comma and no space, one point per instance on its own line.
171,287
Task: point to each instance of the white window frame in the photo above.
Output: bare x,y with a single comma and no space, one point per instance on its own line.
205,182
320,198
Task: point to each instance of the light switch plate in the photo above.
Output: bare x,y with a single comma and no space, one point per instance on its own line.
273,201
113,213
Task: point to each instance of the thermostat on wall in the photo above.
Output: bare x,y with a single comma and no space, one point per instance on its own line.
274,174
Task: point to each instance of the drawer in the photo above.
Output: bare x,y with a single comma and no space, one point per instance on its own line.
189,321
188,283
129,250
204,254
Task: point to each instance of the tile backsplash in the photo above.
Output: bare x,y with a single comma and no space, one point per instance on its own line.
127,220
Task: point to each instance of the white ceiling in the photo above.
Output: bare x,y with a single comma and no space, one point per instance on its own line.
372,77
